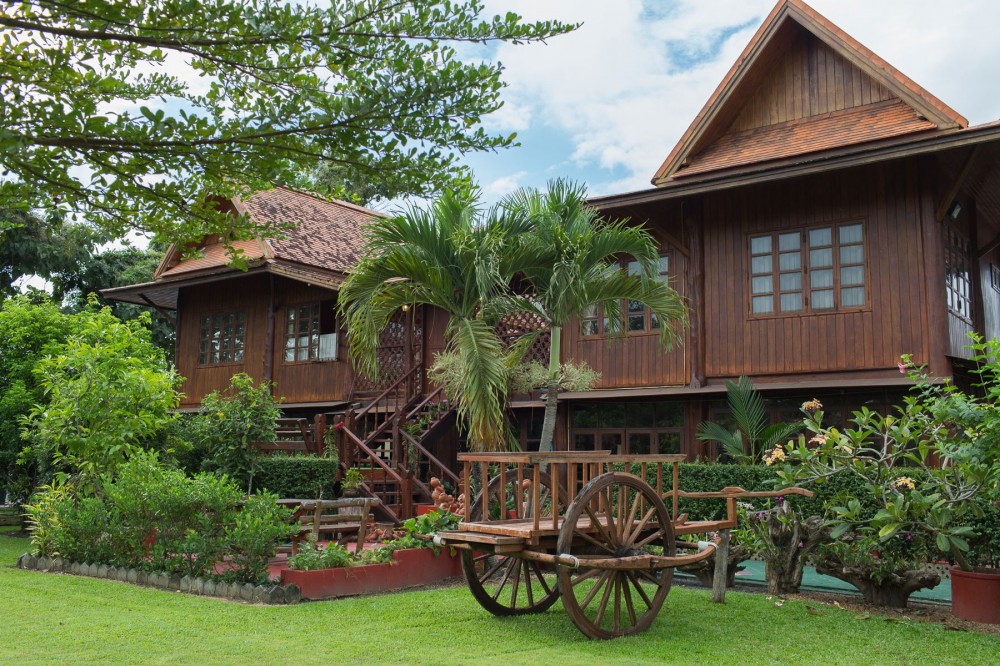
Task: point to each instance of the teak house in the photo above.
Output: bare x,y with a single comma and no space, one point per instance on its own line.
823,214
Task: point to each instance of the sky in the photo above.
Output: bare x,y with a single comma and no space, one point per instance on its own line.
604,105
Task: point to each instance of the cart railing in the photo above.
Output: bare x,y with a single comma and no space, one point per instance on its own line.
555,478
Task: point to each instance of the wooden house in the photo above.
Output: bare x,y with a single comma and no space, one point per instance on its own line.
823,214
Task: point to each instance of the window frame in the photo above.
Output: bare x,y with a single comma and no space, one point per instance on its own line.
595,313
239,319
625,430
315,314
805,270
956,250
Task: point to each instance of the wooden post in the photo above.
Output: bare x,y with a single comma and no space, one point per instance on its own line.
319,434
269,335
407,490
721,568
695,288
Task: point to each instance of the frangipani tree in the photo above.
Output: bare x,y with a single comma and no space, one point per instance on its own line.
571,261
456,257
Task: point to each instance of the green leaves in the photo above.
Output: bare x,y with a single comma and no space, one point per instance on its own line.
244,95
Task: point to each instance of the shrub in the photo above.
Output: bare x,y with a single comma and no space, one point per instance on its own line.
230,423
110,394
312,556
158,519
307,477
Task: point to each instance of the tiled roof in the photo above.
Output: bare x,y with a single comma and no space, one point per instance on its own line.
808,135
214,255
329,234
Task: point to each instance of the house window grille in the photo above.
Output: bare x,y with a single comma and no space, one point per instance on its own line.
311,332
638,318
958,282
222,337
628,428
811,270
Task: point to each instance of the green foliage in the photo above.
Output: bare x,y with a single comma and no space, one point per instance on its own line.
452,256
948,437
45,246
881,560
155,518
308,477
747,408
572,377
29,331
570,261
377,88
230,422
116,268
110,394
312,556
352,480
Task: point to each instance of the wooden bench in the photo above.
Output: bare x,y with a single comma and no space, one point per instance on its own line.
327,519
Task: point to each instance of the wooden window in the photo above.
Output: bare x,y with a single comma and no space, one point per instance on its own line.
995,276
222,337
638,318
814,270
958,281
642,427
311,332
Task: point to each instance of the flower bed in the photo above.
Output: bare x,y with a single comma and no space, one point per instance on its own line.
409,568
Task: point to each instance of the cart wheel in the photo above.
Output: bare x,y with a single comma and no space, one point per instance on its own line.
508,585
519,497
607,603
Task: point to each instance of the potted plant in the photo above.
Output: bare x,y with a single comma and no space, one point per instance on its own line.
928,474
351,483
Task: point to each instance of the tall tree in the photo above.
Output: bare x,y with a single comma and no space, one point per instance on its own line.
453,257
572,262
46,246
128,111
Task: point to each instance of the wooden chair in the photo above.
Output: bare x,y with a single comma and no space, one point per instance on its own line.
325,519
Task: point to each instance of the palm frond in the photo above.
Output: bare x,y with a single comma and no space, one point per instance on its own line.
732,442
747,407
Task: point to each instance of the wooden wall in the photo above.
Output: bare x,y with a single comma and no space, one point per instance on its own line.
895,319
810,80
638,359
317,381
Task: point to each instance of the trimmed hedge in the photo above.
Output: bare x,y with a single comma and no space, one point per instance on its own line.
708,477
305,477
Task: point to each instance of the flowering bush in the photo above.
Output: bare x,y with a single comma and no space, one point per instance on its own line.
930,469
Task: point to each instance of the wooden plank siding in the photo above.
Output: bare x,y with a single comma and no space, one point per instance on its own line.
637,359
296,382
894,318
811,79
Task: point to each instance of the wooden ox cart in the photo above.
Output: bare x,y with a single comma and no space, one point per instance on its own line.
588,526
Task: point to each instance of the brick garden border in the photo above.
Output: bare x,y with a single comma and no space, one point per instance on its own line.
261,594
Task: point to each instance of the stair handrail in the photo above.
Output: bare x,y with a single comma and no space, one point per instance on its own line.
454,478
438,392
372,455
392,388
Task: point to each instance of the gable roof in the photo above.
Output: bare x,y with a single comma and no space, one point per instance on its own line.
326,241
328,234
880,101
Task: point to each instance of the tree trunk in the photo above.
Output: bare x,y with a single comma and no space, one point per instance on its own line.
790,542
552,393
893,591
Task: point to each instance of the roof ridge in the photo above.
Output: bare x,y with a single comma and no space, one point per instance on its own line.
822,29
330,200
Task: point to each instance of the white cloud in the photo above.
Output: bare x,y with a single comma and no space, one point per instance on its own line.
497,188
625,86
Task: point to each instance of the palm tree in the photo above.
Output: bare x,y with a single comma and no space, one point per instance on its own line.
454,257
747,409
572,262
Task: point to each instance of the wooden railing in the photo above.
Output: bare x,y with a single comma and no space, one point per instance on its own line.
414,456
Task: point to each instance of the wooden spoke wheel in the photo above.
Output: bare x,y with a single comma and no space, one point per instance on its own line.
509,585
518,497
616,515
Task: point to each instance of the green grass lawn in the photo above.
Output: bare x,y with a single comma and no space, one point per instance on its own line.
50,618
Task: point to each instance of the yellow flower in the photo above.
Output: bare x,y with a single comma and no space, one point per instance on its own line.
889,421
812,406
903,482
778,454
818,439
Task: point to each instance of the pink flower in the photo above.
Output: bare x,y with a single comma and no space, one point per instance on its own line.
902,367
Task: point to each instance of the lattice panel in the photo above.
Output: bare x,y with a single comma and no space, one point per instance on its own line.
512,327
392,352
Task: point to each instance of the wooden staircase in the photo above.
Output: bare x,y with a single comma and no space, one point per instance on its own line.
388,440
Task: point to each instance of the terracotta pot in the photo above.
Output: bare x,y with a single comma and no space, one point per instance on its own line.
975,595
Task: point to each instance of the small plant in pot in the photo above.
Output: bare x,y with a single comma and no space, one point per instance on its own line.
929,470
350,485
